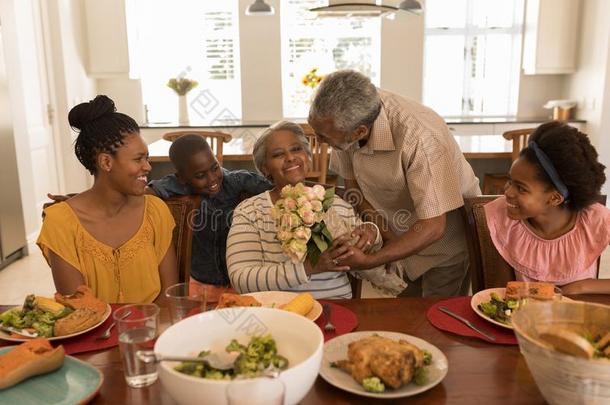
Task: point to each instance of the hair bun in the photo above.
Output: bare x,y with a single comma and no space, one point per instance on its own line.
85,113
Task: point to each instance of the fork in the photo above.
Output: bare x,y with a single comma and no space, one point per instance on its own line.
329,327
106,334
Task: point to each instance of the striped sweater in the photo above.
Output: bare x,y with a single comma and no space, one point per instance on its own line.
256,262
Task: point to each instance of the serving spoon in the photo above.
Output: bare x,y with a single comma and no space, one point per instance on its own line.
219,361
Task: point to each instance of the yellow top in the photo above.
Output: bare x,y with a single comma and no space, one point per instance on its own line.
128,274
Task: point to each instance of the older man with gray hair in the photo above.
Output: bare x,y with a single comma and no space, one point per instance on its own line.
402,169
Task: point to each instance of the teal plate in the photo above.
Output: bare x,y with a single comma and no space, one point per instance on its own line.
76,382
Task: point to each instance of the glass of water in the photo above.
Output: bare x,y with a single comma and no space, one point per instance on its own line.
137,326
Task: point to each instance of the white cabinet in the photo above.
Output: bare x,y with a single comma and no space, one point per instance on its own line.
108,39
551,31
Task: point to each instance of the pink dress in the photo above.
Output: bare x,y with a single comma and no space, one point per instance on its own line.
570,257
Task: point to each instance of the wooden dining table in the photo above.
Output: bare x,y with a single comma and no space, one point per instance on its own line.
479,372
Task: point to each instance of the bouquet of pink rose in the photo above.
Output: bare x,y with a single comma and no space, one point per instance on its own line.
299,215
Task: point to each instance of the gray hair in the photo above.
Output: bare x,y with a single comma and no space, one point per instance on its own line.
349,98
259,153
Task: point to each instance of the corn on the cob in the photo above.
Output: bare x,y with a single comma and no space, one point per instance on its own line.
49,305
301,304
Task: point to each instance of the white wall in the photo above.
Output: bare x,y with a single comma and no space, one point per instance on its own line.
589,84
402,55
535,91
261,72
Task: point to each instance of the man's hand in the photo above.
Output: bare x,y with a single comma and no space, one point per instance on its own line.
366,234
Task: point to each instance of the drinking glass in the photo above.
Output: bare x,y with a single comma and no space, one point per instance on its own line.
256,391
137,331
182,304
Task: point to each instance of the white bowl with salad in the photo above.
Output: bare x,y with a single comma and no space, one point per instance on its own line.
266,338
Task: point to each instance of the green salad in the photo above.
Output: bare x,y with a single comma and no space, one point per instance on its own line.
259,354
33,318
498,309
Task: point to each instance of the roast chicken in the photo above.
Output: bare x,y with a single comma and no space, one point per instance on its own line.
394,362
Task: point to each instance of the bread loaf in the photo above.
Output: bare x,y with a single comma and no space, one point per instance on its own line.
31,358
524,289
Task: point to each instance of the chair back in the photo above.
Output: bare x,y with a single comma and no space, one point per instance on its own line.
484,258
319,151
215,139
519,137
183,209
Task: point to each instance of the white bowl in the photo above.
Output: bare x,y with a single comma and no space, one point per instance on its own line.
561,378
297,338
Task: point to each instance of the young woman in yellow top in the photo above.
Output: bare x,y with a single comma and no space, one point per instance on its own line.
111,237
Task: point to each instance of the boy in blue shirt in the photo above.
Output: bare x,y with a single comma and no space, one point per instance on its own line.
198,172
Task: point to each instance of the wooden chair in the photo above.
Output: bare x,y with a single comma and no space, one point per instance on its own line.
182,209
215,139
484,258
493,183
319,151
519,137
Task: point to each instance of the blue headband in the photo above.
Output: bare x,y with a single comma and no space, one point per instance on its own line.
548,167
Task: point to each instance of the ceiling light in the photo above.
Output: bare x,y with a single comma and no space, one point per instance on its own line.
365,8
259,7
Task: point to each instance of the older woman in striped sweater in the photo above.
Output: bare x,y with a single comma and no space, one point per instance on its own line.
255,259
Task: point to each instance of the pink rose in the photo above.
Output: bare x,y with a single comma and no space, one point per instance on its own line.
316,205
290,203
302,233
319,191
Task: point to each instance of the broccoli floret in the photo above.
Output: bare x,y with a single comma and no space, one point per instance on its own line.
373,384
13,317
216,375
427,358
421,376
235,346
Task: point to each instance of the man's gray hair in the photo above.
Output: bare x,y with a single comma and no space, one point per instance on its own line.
349,98
259,153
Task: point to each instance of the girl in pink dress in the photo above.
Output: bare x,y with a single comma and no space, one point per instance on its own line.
548,226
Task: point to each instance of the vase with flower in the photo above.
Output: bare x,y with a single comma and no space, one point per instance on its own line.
181,87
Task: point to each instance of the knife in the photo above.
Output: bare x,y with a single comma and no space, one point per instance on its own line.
467,323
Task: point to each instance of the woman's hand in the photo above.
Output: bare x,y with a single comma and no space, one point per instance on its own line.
328,259
366,234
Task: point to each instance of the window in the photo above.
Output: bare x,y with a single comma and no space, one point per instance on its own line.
195,39
480,40
327,44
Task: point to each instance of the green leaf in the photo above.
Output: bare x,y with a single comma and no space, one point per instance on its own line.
329,196
313,253
326,232
320,242
316,228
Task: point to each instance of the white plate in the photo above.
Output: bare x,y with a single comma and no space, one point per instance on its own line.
273,299
336,349
6,336
485,296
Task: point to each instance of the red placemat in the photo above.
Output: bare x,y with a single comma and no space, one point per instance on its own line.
85,342
344,320
461,306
